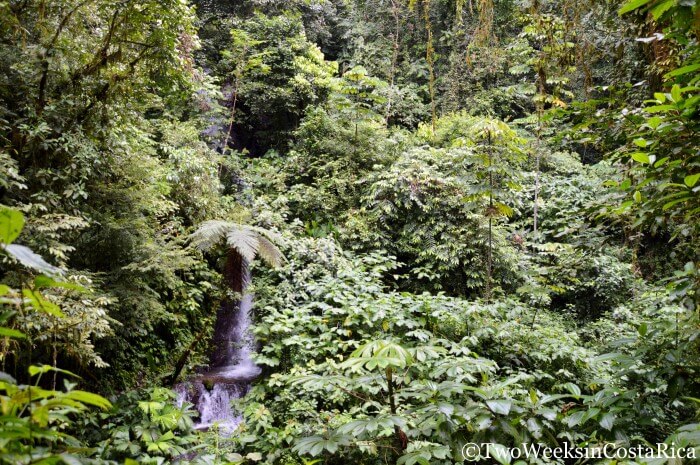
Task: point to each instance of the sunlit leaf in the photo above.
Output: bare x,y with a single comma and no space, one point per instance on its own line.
691,180
631,5
28,258
11,224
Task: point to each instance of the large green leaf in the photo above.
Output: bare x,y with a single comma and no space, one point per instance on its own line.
379,354
42,281
39,303
315,445
683,70
40,369
8,332
632,5
88,398
500,406
640,157
662,8
691,180
607,421
11,224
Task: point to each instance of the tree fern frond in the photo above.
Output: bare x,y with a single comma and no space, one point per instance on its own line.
269,252
210,233
244,240
272,236
249,241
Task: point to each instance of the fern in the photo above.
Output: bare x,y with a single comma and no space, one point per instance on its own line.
269,252
209,234
244,241
249,241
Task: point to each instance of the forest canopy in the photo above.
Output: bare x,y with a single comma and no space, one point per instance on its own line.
349,231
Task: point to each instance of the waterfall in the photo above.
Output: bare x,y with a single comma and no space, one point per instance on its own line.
231,370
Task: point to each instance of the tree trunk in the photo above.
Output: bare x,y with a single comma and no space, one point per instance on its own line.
489,276
399,436
430,59
542,79
394,59
182,361
233,116
537,190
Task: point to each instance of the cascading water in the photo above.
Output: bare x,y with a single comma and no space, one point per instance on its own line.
231,370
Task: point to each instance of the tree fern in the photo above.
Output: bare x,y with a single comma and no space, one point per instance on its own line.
249,241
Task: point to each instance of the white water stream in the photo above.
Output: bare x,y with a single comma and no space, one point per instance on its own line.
232,371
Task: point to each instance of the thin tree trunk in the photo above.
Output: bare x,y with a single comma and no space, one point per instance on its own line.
390,387
430,58
54,356
233,114
357,122
490,262
394,59
490,253
537,185
399,436
540,109
541,83
182,361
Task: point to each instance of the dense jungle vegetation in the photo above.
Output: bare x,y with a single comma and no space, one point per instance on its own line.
481,216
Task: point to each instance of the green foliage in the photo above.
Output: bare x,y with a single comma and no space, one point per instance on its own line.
144,424
663,159
422,210
342,346
276,73
327,166
32,420
661,178
657,155
547,55
33,417
111,177
651,353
